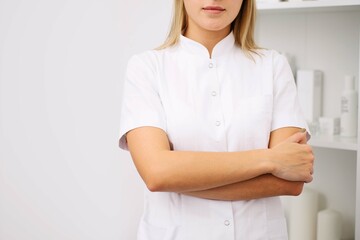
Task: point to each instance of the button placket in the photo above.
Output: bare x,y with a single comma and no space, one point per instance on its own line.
214,97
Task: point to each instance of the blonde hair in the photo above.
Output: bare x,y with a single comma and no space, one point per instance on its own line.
243,26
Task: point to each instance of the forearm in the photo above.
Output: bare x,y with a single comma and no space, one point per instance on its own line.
164,170
259,187
176,171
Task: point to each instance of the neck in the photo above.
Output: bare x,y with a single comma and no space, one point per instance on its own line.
207,38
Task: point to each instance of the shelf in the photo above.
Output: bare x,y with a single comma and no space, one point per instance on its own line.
307,5
334,142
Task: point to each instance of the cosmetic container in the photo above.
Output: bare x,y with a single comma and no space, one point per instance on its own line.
329,225
309,89
349,108
329,126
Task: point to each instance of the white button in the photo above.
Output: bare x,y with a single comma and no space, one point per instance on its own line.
227,222
211,65
214,93
217,123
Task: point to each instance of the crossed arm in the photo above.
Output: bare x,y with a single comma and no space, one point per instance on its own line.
280,170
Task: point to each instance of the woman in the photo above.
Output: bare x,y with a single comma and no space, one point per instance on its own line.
214,128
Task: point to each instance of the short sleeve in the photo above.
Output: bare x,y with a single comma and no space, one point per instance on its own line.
286,111
141,104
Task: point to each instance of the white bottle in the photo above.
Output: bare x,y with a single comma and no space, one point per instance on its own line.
349,109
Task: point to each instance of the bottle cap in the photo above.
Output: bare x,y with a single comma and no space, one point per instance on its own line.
349,82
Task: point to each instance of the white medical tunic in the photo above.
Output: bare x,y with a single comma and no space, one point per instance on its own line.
225,103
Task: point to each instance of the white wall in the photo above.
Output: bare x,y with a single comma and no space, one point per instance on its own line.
62,175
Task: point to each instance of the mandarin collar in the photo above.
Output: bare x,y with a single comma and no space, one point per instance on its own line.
221,48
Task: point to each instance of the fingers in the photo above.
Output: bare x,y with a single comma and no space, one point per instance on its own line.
305,176
297,160
310,176
299,137
312,171
304,138
309,179
298,166
297,176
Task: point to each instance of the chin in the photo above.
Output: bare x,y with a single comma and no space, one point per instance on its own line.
213,28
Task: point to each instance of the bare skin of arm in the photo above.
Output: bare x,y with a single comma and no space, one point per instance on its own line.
180,171
263,186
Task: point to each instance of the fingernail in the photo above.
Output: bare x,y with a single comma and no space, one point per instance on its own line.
303,130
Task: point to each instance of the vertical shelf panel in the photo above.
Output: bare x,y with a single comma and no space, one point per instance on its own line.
357,219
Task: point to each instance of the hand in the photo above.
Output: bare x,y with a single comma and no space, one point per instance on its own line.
293,159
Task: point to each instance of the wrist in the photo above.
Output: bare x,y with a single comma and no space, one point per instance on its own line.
267,156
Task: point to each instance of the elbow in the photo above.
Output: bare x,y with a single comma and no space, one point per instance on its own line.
296,188
159,176
154,185
155,181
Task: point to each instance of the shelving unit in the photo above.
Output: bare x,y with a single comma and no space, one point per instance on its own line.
300,19
334,142
309,5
